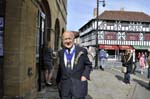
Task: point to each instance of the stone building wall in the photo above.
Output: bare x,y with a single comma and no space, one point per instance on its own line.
19,48
20,70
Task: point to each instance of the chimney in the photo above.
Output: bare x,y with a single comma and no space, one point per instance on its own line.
122,9
95,12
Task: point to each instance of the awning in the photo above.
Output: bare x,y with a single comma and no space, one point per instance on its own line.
141,47
109,47
125,47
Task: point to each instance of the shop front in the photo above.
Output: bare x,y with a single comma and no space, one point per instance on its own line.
112,50
125,47
138,47
115,51
141,49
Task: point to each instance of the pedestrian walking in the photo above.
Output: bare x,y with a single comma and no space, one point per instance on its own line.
139,55
123,60
74,69
134,65
128,65
102,59
48,62
142,63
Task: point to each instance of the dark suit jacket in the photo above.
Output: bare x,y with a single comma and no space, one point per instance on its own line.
82,67
129,63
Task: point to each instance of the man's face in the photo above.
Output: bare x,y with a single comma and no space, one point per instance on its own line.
68,39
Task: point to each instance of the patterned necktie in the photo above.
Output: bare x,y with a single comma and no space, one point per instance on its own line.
69,61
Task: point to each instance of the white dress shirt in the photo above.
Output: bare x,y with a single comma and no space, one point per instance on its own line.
65,57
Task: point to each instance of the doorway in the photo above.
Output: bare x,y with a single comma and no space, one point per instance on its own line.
43,37
40,45
2,17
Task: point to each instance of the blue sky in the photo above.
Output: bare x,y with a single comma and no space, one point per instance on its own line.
80,12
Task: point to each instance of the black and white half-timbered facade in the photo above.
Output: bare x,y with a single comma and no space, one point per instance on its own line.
117,31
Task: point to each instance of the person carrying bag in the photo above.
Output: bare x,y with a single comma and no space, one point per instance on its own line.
123,60
128,68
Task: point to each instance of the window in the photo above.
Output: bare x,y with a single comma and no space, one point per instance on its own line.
145,25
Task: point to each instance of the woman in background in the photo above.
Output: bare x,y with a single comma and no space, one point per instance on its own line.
142,63
128,64
48,61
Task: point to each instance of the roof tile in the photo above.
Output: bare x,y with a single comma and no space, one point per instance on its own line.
125,16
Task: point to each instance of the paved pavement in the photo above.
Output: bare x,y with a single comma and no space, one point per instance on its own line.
107,84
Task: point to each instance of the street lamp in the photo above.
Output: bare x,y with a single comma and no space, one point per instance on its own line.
103,1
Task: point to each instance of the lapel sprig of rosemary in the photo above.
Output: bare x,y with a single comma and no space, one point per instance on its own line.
77,58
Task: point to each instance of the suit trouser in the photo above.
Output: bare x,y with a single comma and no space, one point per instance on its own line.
70,95
72,98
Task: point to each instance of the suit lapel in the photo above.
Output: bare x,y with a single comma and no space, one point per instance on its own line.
76,53
62,57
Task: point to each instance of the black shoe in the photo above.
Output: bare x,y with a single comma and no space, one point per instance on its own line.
101,68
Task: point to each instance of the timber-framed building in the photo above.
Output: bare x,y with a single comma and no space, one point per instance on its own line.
117,31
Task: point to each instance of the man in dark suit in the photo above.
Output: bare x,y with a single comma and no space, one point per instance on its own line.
74,69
